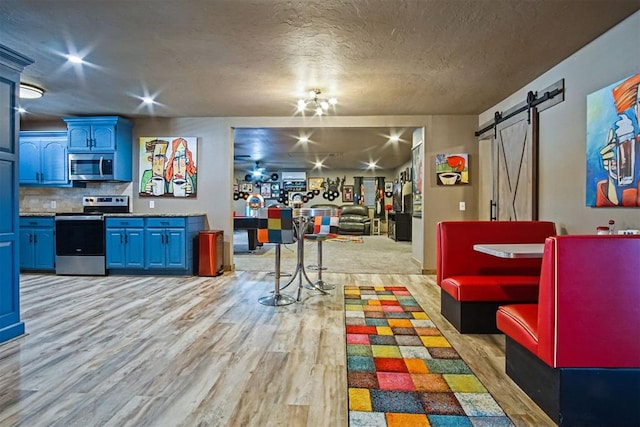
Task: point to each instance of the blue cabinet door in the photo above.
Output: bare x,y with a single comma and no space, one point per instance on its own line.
175,248
155,248
115,248
103,137
44,249
37,248
54,163
79,138
29,162
135,247
27,256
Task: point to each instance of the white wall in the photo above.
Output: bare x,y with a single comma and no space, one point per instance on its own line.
608,59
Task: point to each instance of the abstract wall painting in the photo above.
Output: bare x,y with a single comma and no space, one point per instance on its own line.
613,145
452,169
168,167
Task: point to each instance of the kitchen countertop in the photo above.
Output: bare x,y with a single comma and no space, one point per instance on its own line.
154,215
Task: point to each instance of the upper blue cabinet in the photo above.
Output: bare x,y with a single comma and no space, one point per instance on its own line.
43,158
104,138
98,134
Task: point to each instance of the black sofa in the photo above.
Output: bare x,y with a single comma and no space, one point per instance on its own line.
354,219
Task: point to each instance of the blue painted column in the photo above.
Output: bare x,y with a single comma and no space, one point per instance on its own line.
11,65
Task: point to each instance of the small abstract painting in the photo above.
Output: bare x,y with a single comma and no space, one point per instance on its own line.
452,169
613,145
168,167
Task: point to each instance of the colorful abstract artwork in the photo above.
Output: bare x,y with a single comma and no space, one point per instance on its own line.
168,167
452,169
613,145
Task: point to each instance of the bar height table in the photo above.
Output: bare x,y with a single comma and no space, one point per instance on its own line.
301,217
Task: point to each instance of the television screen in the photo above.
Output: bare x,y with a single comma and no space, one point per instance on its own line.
397,197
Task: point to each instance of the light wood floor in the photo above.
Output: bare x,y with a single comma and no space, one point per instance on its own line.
198,351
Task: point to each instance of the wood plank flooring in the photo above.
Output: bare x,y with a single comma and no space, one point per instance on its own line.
198,351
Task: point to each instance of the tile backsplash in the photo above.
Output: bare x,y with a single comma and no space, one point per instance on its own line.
39,199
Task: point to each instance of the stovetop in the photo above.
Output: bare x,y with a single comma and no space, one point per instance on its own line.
105,204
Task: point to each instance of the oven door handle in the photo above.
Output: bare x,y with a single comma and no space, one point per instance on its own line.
79,218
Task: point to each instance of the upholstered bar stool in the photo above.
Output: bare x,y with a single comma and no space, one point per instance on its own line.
275,225
324,228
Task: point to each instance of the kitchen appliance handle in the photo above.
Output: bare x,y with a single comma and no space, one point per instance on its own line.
101,159
79,218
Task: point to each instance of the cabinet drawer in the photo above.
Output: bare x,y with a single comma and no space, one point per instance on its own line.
166,222
36,221
124,222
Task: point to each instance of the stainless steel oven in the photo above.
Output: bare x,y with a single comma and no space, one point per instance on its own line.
80,237
80,244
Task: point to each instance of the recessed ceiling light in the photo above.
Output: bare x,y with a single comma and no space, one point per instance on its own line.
304,139
394,138
147,100
318,164
75,59
21,110
28,91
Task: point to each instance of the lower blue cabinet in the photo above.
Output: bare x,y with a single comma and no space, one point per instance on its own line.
125,243
37,243
152,245
166,248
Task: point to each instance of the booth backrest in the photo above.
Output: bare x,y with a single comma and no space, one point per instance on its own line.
589,302
455,255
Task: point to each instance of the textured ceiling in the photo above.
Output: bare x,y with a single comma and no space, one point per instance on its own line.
202,58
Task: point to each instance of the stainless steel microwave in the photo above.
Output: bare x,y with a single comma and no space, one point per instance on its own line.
91,167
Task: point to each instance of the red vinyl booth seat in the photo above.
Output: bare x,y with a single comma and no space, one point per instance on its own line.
473,284
583,335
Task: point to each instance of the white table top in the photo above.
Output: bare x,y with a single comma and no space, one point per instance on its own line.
511,250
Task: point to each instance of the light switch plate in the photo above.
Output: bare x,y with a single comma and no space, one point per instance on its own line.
54,204
152,204
463,206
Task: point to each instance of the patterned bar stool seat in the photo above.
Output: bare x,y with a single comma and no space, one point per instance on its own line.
324,228
275,225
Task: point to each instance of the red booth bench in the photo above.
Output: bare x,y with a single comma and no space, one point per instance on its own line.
576,352
472,284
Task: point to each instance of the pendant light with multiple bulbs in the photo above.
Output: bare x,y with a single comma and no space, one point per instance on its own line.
315,102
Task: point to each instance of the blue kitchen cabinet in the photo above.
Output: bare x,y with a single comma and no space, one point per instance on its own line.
37,243
160,245
106,134
166,248
125,243
88,134
43,159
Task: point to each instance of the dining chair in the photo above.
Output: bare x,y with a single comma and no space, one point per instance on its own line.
275,225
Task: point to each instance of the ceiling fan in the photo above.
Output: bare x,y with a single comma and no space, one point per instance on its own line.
259,175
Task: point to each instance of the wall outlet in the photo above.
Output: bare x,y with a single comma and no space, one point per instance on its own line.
54,204
152,204
463,206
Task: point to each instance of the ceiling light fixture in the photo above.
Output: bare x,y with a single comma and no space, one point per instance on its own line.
75,59
28,91
314,101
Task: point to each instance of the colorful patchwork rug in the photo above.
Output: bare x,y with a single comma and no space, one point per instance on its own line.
346,238
402,372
